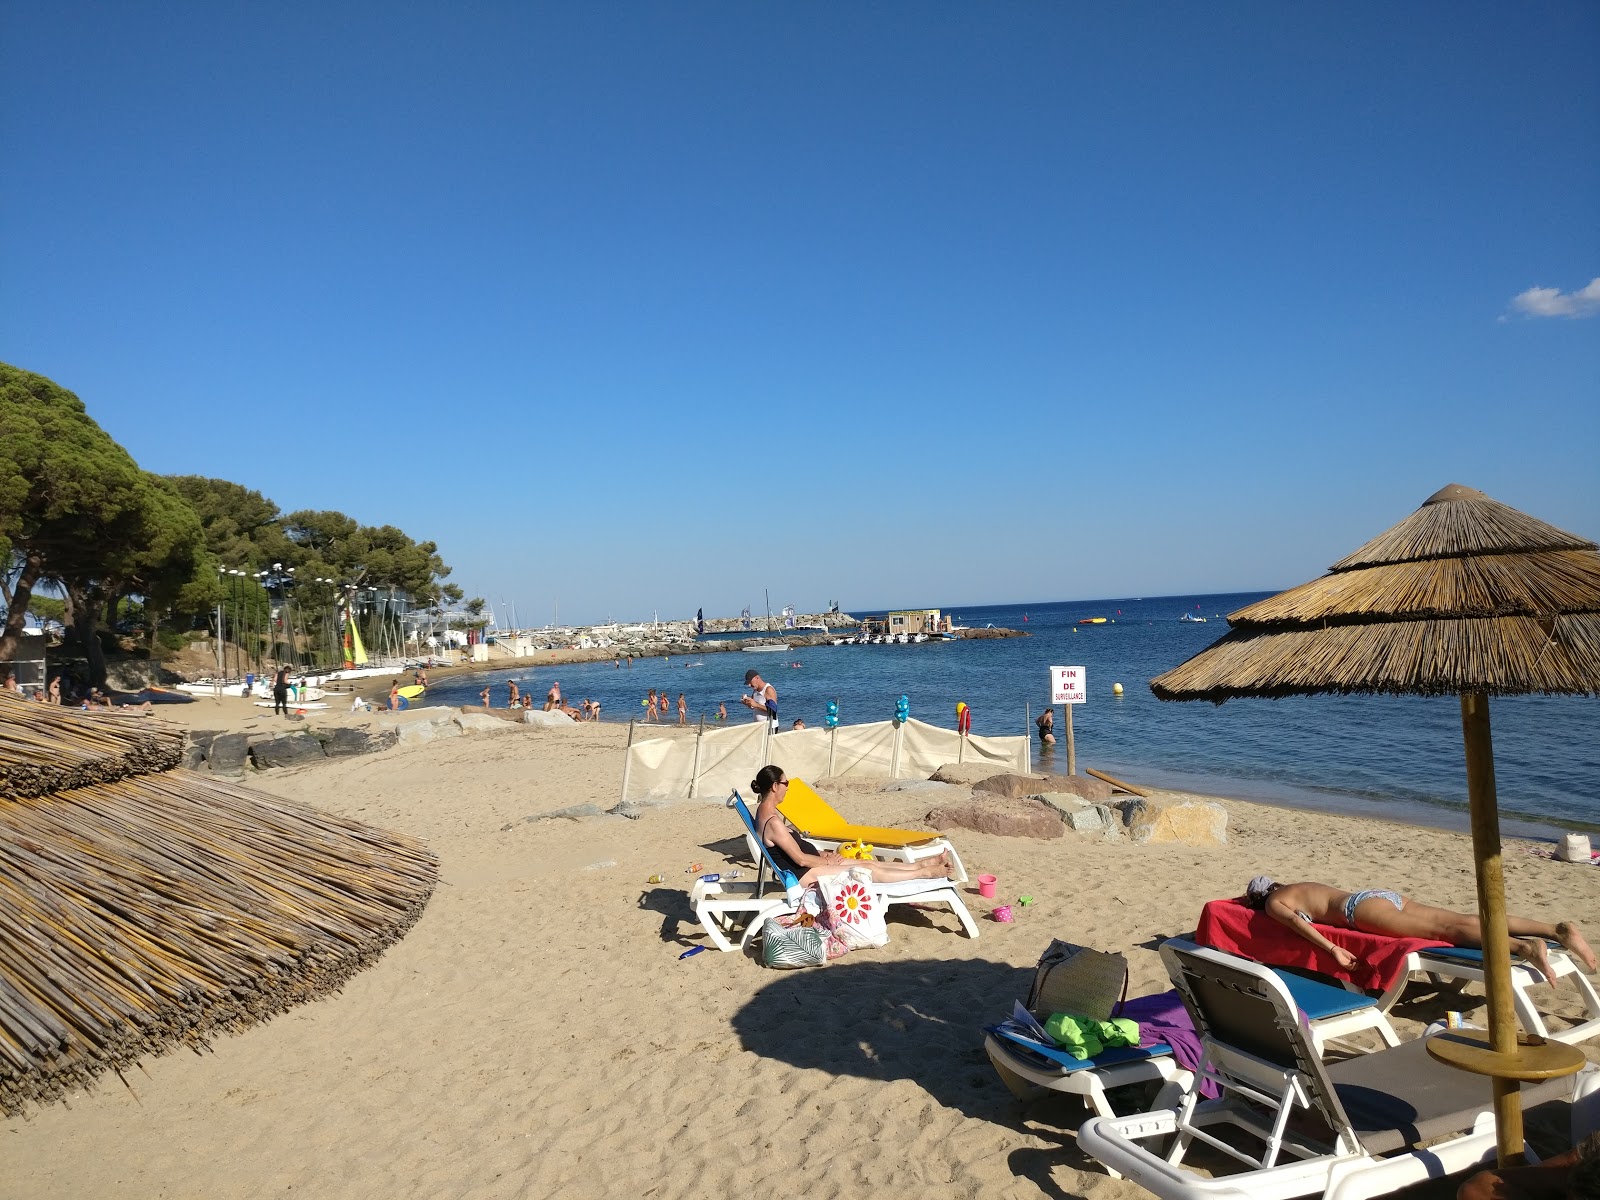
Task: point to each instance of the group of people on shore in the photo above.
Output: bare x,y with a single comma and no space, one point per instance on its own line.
587,710
87,698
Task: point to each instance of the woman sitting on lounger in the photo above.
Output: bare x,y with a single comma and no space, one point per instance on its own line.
1377,910
793,853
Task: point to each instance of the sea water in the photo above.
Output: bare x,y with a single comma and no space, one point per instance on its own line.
1399,757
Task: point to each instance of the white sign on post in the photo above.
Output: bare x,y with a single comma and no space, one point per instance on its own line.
1068,685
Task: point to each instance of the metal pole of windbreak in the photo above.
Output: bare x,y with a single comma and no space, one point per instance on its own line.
1027,738
694,771
627,762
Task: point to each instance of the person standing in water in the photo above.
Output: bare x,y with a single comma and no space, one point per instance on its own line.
1046,721
762,700
1378,910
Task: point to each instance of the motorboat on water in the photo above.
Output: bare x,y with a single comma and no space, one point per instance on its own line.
766,649
1093,620
1190,619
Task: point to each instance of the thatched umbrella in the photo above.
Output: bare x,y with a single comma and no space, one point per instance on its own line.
1465,596
144,907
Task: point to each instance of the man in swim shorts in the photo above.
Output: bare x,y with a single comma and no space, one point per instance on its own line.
1301,906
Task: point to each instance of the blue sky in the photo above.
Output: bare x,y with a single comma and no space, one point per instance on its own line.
639,308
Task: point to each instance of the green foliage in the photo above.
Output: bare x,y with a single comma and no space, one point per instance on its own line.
242,527
77,510
67,490
331,544
47,608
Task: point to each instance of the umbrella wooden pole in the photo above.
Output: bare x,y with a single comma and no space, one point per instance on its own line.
1492,915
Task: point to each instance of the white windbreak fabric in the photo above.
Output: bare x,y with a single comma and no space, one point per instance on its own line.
710,764
864,749
801,752
729,758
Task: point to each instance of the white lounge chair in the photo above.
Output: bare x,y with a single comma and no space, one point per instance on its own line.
1346,1130
718,905
1465,965
1090,983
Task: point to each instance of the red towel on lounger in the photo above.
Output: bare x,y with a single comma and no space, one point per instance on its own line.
1235,927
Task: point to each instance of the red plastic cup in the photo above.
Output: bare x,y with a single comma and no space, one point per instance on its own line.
986,886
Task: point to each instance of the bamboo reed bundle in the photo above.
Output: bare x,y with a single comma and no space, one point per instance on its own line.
46,749
144,911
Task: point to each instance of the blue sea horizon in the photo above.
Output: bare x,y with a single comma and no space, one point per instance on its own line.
1394,757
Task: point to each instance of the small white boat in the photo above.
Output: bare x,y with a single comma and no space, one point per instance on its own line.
765,649
292,704
1192,620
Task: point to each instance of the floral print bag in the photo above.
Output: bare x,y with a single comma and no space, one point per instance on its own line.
852,908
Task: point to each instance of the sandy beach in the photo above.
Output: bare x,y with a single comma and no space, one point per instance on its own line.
536,1033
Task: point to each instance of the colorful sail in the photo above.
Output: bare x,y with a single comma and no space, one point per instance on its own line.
355,654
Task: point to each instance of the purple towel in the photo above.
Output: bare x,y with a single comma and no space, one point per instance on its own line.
1162,1018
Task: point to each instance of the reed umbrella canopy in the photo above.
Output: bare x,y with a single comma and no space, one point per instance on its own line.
144,907
1466,596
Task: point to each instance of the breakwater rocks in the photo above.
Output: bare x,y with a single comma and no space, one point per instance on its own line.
233,753
1051,806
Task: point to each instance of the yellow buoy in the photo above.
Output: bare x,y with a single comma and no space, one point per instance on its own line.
1116,689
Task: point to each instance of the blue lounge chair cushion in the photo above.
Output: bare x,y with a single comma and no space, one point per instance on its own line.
1469,954
1066,1064
1318,1000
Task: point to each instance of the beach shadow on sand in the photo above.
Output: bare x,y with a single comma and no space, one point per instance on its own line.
916,1019
921,1020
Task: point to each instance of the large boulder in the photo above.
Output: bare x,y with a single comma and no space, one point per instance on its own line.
1014,786
966,774
197,747
1004,817
417,732
1085,787
342,743
1154,819
227,752
550,720
291,750
1082,817
482,722
502,714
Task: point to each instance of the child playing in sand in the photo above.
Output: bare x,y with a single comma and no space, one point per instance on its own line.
1378,910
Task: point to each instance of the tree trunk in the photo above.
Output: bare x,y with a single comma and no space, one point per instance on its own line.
17,604
82,611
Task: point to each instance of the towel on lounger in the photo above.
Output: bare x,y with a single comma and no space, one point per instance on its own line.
1236,928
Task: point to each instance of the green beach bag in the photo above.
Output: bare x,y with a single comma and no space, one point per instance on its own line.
785,947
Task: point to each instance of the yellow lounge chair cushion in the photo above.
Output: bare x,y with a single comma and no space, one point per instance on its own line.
811,814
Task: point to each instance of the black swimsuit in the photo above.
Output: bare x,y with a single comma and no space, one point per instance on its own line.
785,863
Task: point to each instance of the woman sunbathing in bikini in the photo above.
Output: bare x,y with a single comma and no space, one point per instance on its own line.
794,853
1378,910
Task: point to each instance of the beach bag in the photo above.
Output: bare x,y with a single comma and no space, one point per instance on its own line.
1077,979
785,947
1574,848
853,909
